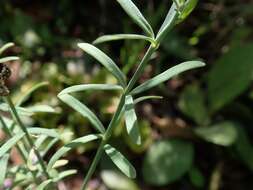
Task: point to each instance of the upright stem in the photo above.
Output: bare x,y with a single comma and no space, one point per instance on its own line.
117,114
20,150
27,135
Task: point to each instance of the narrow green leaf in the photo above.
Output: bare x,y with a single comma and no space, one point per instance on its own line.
83,87
27,94
106,61
66,148
43,131
60,163
131,121
3,167
64,174
7,59
131,9
5,47
114,37
188,7
40,140
120,161
21,111
167,75
143,98
41,109
10,143
48,146
224,134
83,110
168,23
44,184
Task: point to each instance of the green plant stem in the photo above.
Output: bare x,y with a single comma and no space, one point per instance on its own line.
20,150
117,114
27,135
140,68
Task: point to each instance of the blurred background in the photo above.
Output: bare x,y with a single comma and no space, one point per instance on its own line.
199,136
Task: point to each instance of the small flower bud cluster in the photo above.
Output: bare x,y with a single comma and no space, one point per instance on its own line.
5,73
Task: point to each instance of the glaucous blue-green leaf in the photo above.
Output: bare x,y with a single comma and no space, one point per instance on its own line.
223,133
131,121
10,143
167,161
120,161
29,92
21,111
131,9
83,110
7,59
192,104
143,98
3,167
66,148
41,109
230,76
6,46
168,23
106,61
43,131
115,180
64,174
166,75
49,145
115,37
84,87
44,184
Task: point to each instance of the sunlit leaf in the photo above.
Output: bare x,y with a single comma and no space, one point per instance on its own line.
167,75
106,61
115,180
3,167
7,59
131,121
6,46
10,143
188,7
168,23
64,174
167,161
84,87
83,110
41,109
120,161
60,163
224,133
114,37
44,184
131,9
66,148
143,98
43,131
